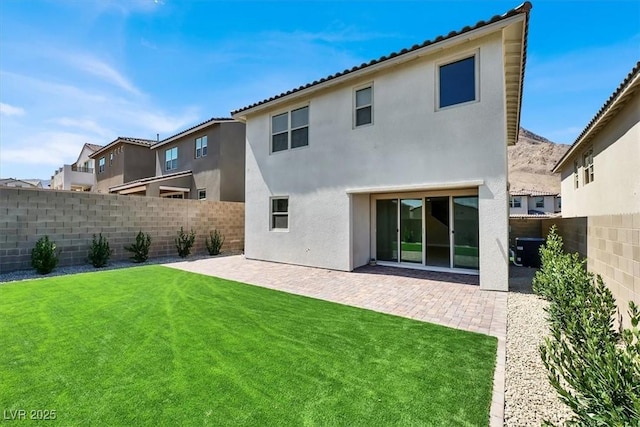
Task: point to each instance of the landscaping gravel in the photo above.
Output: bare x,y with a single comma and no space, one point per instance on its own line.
87,268
529,398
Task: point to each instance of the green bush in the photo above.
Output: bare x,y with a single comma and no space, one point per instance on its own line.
43,256
140,249
594,368
214,242
184,242
99,251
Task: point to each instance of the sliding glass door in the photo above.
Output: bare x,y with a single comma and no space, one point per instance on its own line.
440,231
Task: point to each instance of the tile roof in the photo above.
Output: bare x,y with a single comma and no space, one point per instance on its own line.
631,79
535,216
93,147
125,139
149,179
523,8
532,193
186,131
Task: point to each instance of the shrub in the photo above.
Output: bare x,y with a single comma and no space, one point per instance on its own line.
184,242
594,369
43,256
99,251
140,249
214,242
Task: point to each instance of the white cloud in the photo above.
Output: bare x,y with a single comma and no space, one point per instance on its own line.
103,70
82,124
54,149
10,110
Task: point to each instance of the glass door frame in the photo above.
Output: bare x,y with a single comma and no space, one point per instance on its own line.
420,195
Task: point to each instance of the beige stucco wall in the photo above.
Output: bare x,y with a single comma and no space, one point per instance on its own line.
616,188
71,218
409,143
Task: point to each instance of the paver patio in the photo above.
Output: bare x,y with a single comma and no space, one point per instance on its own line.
444,298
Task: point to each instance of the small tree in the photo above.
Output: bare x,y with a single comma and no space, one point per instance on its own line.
43,256
140,249
594,369
184,242
214,242
99,251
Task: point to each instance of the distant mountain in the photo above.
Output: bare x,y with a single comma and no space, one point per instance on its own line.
531,161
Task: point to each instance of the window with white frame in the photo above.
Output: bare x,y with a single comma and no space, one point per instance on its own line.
279,213
202,194
101,163
290,130
587,163
111,159
576,175
539,202
457,82
171,159
201,146
364,106
515,202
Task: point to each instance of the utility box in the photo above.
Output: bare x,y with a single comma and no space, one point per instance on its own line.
528,251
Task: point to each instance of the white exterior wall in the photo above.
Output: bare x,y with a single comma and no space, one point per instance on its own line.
549,204
409,144
616,187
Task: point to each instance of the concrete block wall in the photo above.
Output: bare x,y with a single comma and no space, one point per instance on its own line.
71,218
524,227
613,252
573,232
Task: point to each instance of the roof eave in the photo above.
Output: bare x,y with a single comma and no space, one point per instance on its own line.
594,126
388,63
188,132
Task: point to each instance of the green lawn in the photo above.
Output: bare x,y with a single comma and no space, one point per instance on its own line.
156,346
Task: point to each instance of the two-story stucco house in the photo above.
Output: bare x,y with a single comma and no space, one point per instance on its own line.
532,202
78,176
402,159
122,160
202,162
601,171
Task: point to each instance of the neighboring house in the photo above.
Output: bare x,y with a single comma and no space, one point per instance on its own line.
402,159
531,202
123,160
203,162
78,176
601,171
20,183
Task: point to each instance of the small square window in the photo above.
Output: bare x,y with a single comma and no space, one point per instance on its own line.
457,82
539,202
202,194
515,202
280,213
364,106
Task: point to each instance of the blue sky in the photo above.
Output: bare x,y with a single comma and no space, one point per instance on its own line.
76,71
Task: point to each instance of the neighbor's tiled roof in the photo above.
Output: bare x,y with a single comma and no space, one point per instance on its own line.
186,131
94,147
125,139
532,193
631,79
150,179
535,216
523,8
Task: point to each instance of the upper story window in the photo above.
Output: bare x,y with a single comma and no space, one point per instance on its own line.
539,202
280,213
364,106
285,137
457,82
587,163
101,165
202,194
515,202
576,176
201,147
111,159
171,158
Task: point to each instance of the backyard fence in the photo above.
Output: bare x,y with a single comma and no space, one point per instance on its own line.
71,218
